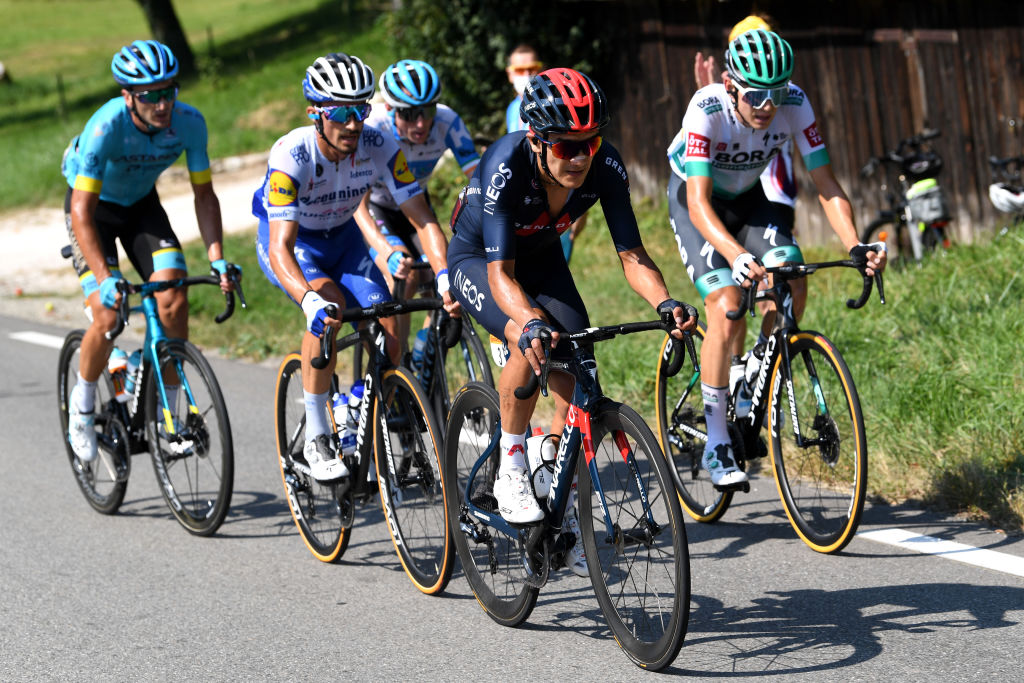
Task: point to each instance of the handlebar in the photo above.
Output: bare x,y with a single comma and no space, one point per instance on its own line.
596,334
792,272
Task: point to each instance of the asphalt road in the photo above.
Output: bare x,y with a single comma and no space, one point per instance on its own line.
133,596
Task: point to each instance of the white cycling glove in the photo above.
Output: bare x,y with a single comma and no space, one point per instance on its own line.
741,268
313,306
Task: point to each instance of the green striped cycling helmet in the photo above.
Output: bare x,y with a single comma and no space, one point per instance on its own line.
759,59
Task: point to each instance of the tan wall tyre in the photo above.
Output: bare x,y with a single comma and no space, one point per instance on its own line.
490,559
682,434
407,453
823,482
314,507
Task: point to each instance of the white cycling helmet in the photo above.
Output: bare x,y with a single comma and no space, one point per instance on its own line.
338,77
1005,198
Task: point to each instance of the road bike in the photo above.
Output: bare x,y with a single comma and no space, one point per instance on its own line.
403,446
917,213
629,515
186,433
804,394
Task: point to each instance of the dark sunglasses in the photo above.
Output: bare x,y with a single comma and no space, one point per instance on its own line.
427,111
169,93
567,149
342,113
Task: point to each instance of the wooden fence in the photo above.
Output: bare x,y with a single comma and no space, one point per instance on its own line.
876,72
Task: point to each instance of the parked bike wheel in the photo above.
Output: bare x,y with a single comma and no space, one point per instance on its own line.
316,508
823,481
104,480
638,556
406,450
683,435
490,559
190,439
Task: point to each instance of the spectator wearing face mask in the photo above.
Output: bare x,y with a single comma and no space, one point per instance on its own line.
522,66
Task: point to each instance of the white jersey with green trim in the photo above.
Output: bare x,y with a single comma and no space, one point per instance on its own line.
713,142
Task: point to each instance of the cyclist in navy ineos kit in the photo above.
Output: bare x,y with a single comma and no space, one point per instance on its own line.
506,260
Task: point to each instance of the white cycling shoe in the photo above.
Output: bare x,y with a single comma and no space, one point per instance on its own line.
576,560
516,501
721,465
82,433
324,463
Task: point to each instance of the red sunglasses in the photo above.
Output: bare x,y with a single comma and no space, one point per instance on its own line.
567,149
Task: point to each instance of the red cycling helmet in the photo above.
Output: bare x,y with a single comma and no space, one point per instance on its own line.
563,101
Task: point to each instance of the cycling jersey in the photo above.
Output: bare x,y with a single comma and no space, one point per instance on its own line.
505,212
714,143
302,185
116,160
447,131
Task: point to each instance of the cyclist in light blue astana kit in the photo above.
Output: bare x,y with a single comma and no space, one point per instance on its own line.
313,222
726,229
111,169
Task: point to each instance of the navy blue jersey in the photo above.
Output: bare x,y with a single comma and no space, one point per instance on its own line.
506,213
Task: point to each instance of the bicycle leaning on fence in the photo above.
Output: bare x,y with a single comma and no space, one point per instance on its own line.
918,213
404,446
802,391
629,515
187,435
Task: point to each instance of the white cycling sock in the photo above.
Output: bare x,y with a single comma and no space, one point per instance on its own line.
513,452
716,399
84,395
316,414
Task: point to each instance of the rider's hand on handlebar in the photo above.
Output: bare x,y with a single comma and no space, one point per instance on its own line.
313,305
531,342
399,264
451,305
220,267
873,257
109,295
747,268
684,315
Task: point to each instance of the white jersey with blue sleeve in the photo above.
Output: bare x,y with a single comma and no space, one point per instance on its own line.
302,185
447,132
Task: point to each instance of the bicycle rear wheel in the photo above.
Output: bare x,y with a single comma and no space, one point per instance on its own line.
465,362
104,480
638,556
412,494
316,508
490,559
190,439
822,482
683,435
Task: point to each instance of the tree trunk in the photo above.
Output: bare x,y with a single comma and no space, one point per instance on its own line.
163,22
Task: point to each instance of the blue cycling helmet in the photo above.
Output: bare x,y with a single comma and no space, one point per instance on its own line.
410,83
338,77
144,62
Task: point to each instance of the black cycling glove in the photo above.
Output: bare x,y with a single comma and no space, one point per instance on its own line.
534,329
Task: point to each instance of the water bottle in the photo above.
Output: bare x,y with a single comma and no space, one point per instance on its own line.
355,398
132,370
738,387
418,348
117,365
339,407
540,457
753,360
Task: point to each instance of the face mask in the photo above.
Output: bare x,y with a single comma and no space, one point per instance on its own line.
519,83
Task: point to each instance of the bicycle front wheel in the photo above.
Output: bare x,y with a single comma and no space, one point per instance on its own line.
104,480
315,507
490,559
412,494
189,438
817,443
683,431
634,538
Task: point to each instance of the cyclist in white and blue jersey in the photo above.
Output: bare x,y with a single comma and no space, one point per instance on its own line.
111,169
313,223
726,229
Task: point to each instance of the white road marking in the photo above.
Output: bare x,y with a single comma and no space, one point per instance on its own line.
951,550
39,338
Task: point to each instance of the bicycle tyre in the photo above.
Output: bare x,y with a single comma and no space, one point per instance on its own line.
465,362
406,447
822,486
315,507
195,466
679,408
492,563
104,481
640,571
